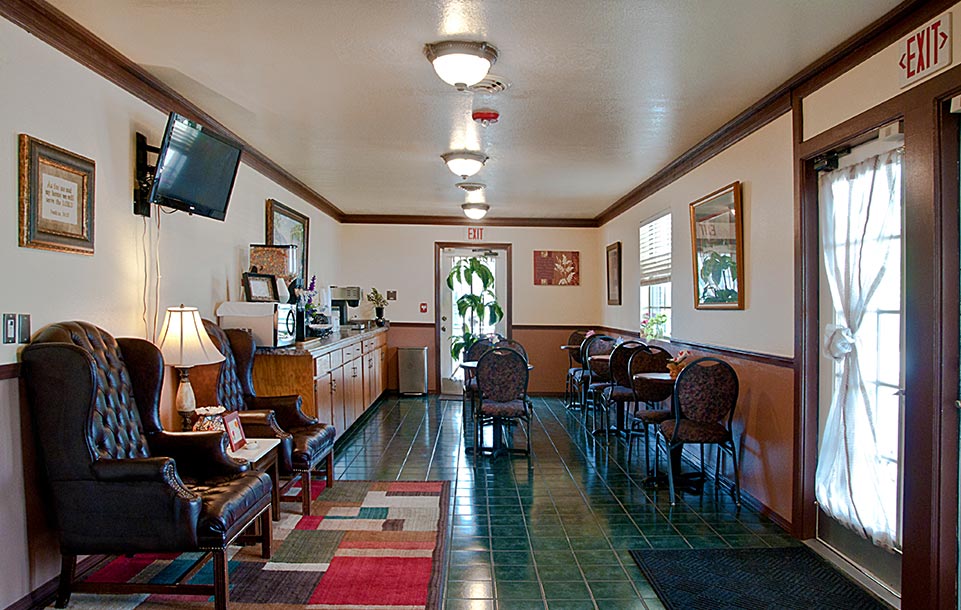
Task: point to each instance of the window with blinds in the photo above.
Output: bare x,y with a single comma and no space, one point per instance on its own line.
655,272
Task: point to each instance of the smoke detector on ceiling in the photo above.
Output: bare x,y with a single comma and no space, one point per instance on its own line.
486,116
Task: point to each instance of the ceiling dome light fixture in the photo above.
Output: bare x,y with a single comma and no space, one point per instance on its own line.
470,187
475,211
461,63
464,163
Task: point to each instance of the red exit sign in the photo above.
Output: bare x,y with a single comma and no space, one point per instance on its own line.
475,233
925,50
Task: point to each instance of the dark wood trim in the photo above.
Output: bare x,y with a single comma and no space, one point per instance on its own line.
75,41
438,281
9,371
727,352
398,219
564,327
411,325
44,595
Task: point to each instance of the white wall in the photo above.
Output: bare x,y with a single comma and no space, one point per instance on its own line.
863,87
401,258
51,97
762,162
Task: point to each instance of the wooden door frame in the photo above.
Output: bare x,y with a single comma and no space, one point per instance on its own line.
931,305
438,281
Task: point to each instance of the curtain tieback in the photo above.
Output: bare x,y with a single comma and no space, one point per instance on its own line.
838,341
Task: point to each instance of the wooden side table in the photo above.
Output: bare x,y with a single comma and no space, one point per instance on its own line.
263,458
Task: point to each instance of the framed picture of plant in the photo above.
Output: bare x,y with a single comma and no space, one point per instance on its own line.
287,227
718,249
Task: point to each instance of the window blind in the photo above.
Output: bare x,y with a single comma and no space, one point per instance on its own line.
655,246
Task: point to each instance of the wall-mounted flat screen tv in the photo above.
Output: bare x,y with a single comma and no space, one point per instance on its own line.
196,169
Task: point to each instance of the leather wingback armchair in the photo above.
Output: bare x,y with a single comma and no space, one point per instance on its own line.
304,441
120,483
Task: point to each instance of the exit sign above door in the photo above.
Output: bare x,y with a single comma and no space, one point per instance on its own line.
475,233
925,51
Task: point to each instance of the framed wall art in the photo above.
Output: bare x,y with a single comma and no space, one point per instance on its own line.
287,227
557,268
718,249
235,432
56,198
260,288
614,274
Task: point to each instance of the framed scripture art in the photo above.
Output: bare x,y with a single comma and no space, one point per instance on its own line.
556,268
260,288
56,198
614,274
287,227
718,256
235,432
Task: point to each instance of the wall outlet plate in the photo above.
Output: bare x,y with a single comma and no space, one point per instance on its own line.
391,295
9,328
23,328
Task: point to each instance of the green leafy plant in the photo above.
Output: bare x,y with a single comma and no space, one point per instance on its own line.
652,326
376,298
474,308
719,276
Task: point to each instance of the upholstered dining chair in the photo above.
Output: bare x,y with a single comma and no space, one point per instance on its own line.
502,377
574,366
621,391
514,345
120,483
705,396
473,354
598,372
650,394
304,441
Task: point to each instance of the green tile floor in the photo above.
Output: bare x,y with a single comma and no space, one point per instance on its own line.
552,535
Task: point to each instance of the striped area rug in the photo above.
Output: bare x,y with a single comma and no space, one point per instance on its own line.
367,544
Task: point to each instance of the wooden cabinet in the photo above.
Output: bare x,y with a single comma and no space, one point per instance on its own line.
338,379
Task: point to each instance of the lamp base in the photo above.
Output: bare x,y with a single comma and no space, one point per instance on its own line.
185,393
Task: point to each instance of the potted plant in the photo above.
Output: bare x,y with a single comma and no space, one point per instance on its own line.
474,307
652,326
379,303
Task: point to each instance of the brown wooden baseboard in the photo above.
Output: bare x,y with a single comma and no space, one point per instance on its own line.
44,595
9,371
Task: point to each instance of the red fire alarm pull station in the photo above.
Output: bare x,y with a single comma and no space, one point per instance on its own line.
423,307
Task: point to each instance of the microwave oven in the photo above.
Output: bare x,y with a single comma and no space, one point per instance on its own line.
271,324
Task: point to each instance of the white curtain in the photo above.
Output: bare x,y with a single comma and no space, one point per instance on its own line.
856,482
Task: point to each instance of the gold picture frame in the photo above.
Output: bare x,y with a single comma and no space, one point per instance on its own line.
286,227
717,244
56,194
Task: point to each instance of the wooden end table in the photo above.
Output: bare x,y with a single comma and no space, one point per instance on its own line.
263,458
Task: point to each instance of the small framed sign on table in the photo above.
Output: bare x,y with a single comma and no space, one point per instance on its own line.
235,432
56,198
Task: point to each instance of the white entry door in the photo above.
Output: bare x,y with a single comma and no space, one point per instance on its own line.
451,324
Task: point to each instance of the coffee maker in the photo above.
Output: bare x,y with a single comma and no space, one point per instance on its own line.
343,296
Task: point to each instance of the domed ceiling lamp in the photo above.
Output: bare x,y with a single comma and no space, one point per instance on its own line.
471,187
475,211
464,163
461,63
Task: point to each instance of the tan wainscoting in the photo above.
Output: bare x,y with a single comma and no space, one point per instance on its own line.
412,334
543,345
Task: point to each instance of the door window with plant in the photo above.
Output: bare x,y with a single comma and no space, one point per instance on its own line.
655,277
471,281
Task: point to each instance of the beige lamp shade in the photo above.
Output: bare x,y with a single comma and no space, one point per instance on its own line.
183,340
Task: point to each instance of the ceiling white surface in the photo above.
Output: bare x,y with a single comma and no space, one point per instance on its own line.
604,92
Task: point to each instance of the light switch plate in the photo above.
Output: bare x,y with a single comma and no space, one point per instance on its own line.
9,328
391,295
23,328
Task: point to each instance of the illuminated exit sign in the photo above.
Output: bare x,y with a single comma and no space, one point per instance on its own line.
475,233
925,50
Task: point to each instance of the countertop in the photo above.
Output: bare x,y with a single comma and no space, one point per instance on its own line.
342,337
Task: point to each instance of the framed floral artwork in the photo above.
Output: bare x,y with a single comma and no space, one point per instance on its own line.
614,274
718,250
288,227
557,268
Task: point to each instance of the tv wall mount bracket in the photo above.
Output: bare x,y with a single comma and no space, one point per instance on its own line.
143,176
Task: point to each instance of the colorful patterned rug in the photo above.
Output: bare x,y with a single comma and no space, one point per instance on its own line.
367,544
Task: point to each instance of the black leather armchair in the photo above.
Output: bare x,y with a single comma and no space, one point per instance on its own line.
304,441
120,483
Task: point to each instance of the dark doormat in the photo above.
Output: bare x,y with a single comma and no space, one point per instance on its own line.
791,577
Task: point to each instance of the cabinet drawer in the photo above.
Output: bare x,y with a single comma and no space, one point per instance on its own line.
336,359
322,365
370,345
352,351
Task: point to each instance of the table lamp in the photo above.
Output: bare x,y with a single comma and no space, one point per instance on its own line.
184,343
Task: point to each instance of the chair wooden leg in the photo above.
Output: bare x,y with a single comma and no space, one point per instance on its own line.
266,533
68,567
221,586
305,492
330,468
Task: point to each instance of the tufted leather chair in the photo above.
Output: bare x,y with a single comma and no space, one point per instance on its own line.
120,483
304,441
